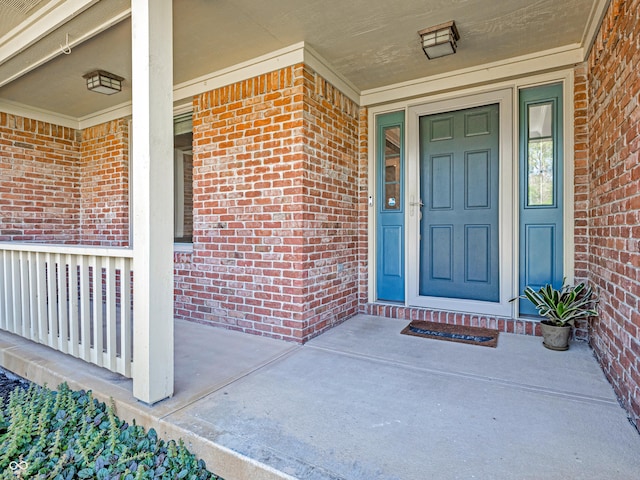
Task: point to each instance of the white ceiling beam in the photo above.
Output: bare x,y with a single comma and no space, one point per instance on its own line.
40,24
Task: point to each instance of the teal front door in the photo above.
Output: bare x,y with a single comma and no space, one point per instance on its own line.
459,189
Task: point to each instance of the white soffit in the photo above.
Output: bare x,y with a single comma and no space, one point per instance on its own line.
359,46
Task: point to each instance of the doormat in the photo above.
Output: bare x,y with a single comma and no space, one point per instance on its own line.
486,337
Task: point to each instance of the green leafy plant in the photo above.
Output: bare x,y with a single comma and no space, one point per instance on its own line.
564,306
65,434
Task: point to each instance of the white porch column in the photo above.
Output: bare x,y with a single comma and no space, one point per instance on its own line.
152,166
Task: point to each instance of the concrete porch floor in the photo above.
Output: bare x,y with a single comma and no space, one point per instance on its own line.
363,401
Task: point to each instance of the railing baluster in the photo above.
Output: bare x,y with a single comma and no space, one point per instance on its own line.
25,320
74,339
4,297
43,318
85,309
97,353
125,316
33,295
52,297
63,306
111,313
16,304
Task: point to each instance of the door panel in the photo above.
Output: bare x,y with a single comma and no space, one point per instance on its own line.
541,190
477,253
392,258
459,179
441,252
390,207
441,182
539,242
477,179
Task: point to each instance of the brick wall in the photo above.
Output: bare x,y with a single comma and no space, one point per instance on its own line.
614,198
275,207
363,210
247,168
104,184
59,185
39,181
581,186
332,202
521,326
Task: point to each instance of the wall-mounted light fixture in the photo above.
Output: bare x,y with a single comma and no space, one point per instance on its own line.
440,40
103,82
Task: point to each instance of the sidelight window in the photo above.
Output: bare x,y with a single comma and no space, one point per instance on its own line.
540,155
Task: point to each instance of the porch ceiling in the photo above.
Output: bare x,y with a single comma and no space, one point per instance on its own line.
367,42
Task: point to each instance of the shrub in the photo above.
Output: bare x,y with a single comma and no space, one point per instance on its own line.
65,434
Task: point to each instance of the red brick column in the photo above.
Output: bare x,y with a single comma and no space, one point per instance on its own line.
275,207
332,204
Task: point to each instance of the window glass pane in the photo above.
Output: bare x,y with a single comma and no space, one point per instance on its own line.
187,219
540,172
540,159
540,120
183,178
392,168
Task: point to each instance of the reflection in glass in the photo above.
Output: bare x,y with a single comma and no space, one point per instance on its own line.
392,174
183,179
540,120
540,161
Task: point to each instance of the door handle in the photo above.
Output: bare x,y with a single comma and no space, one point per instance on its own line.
413,203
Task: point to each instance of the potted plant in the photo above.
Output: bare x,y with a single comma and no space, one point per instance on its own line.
561,308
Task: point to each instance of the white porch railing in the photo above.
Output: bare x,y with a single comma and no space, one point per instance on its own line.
75,299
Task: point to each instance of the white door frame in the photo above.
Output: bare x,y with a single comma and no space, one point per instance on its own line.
507,199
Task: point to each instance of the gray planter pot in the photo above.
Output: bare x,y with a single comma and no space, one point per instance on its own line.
555,338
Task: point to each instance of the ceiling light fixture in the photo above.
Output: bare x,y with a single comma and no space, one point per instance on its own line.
103,82
440,40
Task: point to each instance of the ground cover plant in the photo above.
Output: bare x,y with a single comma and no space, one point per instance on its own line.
66,434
